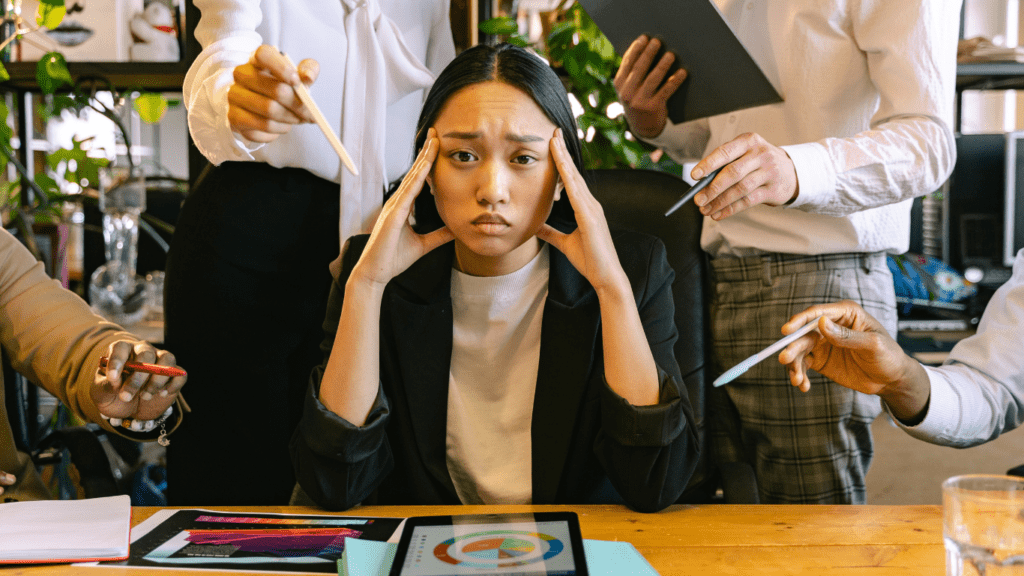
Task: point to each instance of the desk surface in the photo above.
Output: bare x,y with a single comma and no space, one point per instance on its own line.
704,540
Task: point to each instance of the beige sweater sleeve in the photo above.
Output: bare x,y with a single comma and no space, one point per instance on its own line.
51,335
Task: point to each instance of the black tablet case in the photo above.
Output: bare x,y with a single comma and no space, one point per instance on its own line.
721,75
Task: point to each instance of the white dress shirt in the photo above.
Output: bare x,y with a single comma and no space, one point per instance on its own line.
868,88
979,393
376,57
495,359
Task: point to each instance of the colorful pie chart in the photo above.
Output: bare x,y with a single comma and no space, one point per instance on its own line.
498,549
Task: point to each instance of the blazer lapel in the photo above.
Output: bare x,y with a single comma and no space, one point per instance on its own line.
568,340
421,319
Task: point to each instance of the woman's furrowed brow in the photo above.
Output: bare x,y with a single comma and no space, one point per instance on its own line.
509,136
464,135
524,138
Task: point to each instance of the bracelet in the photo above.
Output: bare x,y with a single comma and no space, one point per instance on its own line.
136,425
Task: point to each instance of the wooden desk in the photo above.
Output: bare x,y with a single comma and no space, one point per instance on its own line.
708,540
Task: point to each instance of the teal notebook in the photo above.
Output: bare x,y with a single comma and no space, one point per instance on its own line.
369,558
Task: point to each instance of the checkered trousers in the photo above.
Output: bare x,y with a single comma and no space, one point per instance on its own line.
812,447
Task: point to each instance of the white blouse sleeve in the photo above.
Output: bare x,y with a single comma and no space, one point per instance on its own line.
227,32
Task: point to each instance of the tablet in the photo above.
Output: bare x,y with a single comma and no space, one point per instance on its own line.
540,544
721,75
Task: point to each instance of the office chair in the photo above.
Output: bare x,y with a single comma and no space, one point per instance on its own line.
637,200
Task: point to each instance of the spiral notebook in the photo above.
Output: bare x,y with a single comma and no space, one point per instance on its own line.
53,531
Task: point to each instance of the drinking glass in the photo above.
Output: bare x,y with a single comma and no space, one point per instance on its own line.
983,525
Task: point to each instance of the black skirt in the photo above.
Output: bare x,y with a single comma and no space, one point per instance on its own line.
245,294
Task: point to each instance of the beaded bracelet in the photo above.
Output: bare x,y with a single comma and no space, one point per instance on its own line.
143,426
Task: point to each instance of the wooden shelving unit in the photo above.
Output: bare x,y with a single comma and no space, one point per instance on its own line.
151,76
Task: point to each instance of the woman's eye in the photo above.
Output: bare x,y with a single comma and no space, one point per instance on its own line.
523,159
463,156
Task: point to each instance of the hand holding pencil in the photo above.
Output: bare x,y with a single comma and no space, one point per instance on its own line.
136,380
262,102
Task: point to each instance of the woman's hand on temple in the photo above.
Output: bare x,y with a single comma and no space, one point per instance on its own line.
589,248
125,394
393,244
262,103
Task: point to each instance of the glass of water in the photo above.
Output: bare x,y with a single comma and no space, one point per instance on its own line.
983,525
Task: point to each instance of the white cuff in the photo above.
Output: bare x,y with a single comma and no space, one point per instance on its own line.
942,421
814,173
684,141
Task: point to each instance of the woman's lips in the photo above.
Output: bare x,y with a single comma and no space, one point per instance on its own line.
491,223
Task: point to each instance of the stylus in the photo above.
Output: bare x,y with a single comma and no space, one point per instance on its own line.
693,191
749,363
318,116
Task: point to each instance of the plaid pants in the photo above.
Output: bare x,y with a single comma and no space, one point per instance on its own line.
812,447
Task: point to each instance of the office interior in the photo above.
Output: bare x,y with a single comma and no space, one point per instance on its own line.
962,224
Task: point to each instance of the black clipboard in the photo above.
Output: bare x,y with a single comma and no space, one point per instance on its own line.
721,75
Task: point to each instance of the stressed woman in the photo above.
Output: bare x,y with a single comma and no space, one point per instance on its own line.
507,348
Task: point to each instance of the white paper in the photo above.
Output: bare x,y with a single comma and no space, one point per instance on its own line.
65,529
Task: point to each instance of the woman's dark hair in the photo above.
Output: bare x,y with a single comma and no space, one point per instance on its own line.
520,69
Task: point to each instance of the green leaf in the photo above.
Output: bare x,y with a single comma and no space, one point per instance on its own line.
52,72
9,191
63,102
517,40
151,107
5,129
49,15
47,183
631,152
500,26
614,137
604,48
560,37
4,75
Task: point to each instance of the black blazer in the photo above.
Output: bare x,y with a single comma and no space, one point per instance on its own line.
589,444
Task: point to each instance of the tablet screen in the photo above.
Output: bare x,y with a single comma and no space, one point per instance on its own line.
527,547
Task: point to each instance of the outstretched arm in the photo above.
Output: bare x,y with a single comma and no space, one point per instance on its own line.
853,349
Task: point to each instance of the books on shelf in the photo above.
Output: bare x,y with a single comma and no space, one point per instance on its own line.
53,531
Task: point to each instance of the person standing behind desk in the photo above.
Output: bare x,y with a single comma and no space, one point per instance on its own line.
249,262
815,191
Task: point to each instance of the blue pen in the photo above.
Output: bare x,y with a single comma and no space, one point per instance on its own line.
693,191
749,363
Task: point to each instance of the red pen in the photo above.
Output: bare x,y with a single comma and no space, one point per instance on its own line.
148,368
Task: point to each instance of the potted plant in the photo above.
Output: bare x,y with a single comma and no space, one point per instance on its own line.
587,62
26,202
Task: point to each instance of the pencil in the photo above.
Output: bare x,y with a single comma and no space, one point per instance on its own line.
157,369
307,99
693,191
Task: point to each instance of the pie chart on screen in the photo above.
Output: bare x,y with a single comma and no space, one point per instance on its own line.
498,549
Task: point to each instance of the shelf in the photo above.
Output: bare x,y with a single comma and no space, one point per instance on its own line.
990,76
152,76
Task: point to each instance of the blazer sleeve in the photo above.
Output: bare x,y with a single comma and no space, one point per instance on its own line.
650,452
337,463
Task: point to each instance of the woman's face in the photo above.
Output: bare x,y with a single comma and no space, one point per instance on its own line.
494,180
